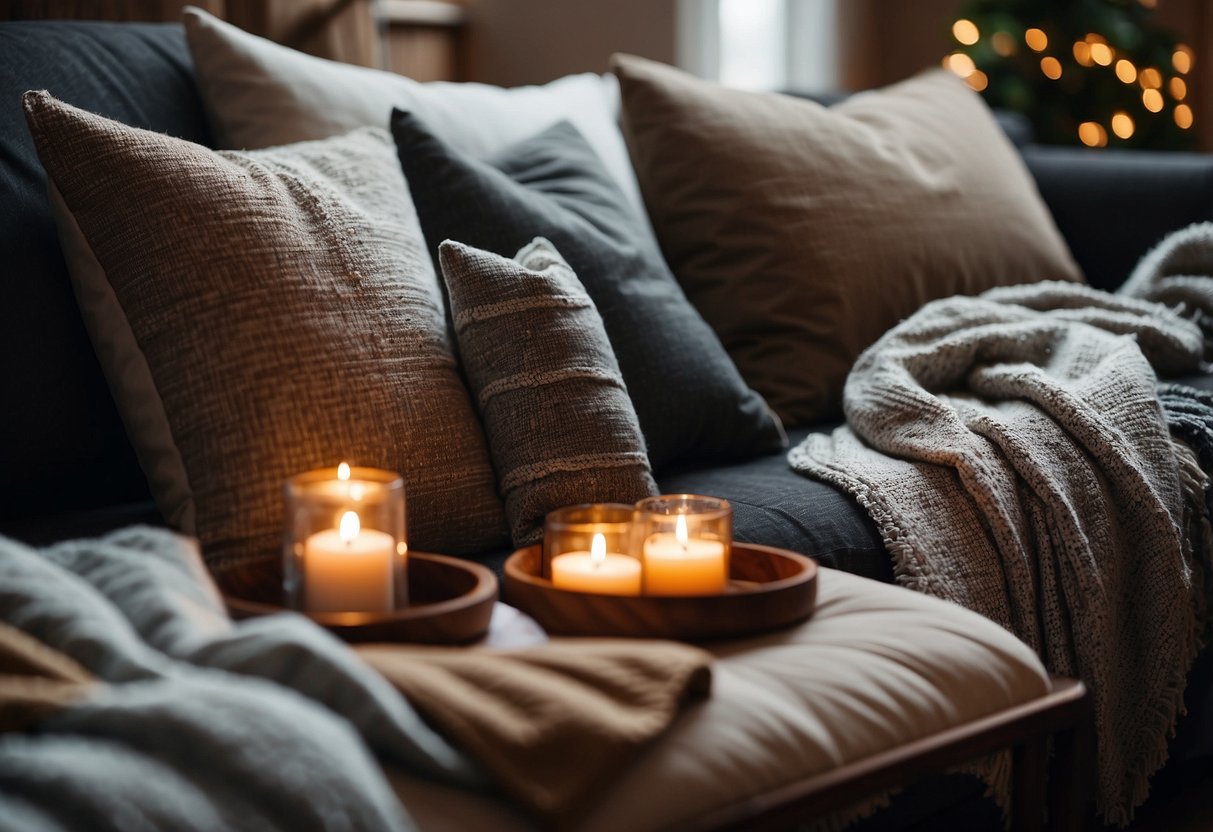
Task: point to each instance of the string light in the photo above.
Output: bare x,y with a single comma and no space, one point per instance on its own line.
1179,89
1092,134
961,64
1003,44
1051,67
1125,71
1082,53
1183,116
1036,39
1152,100
1150,78
977,80
1122,125
966,32
1102,54
1182,59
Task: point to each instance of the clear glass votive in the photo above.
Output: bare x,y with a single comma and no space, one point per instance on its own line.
587,548
684,542
346,545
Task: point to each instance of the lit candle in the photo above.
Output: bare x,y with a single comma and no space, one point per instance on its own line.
678,564
349,568
596,571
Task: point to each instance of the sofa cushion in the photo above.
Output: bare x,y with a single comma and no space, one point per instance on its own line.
63,445
775,506
261,94
803,233
289,318
689,398
875,668
560,425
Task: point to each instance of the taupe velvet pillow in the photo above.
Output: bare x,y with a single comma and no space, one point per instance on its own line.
561,427
802,233
287,315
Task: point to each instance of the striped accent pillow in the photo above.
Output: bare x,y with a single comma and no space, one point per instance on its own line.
560,425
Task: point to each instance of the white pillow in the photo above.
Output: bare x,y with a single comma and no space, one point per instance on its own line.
261,94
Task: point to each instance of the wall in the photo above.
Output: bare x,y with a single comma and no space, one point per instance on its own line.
514,42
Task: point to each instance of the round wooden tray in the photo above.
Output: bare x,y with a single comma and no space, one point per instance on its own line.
450,602
769,588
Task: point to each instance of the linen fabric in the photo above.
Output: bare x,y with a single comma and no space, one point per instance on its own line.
560,426
64,446
689,398
803,233
289,318
260,94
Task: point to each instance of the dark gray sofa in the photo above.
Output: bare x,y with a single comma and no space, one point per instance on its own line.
68,470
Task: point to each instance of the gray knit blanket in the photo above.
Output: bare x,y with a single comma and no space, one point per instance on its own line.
1014,453
199,723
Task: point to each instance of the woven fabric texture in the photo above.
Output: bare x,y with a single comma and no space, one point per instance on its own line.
290,318
802,233
560,425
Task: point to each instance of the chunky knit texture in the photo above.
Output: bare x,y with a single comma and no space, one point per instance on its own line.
1013,452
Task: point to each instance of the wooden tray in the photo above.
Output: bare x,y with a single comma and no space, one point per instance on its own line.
451,602
769,588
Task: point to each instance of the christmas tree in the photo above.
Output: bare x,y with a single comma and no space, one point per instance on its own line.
1092,72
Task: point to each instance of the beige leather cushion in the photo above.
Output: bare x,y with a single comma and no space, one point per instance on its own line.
285,314
876,666
802,233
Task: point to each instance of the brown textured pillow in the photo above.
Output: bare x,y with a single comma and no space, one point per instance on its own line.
288,316
561,427
802,233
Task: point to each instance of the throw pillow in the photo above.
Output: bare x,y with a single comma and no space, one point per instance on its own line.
64,446
288,316
803,233
261,94
691,402
561,428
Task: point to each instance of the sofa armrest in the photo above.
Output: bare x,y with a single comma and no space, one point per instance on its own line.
1113,205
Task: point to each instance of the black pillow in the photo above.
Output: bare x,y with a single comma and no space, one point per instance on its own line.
691,402
62,445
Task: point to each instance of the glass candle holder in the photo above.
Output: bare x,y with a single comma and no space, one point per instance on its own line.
684,541
587,548
346,547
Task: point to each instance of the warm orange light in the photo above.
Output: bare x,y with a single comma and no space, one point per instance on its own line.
1149,4
961,64
1036,39
1082,53
1152,100
349,527
1179,89
1102,54
1182,59
1122,125
1150,78
1095,37
977,80
1125,71
965,31
1092,134
1003,44
1183,116
1051,67
343,471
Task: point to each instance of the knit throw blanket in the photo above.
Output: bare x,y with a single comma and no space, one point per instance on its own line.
1015,455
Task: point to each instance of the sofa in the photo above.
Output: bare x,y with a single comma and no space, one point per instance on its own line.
70,470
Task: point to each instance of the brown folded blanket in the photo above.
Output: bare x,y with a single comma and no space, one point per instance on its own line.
36,681
550,723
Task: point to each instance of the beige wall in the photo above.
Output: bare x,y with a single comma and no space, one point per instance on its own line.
533,41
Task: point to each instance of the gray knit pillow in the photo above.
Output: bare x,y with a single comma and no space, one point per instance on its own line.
561,427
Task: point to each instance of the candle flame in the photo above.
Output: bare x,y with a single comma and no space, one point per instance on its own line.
598,549
680,531
350,526
343,471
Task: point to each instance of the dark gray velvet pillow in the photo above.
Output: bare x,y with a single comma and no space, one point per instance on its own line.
561,428
691,401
